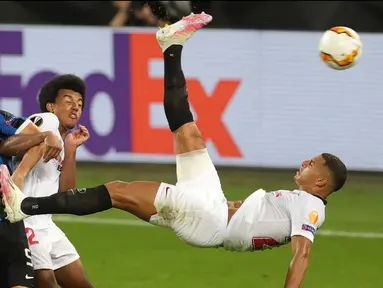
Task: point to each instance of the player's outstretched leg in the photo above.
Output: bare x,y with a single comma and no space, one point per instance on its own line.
137,198
79,201
190,147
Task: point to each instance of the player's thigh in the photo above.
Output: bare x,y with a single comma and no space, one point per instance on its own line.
40,246
196,171
63,252
170,205
188,138
3,272
73,276
67,266
191,165
19,265
196,220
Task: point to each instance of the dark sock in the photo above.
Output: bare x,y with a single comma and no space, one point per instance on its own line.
176,103
76,201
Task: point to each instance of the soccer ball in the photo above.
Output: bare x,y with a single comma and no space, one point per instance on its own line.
340,48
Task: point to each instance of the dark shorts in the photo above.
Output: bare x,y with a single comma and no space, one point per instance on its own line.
16,267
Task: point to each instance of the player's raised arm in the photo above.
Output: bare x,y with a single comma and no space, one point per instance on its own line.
301,248
25,135
72,141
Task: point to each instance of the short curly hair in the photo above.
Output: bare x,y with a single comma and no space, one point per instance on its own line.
49,91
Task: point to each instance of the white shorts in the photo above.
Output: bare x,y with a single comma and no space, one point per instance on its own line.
196,207
50,248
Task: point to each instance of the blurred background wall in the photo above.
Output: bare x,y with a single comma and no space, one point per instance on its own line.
280,15
260,93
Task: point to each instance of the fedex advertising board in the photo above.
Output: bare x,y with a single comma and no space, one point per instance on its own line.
260,98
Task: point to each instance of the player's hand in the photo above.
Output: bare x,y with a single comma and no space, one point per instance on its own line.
51,147
77,137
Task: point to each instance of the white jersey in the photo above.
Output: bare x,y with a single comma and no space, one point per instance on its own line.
268,220
43,180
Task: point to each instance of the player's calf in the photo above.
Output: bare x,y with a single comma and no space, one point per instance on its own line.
136,198
176,103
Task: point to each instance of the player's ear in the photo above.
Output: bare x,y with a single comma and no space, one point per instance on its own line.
49,107
321,182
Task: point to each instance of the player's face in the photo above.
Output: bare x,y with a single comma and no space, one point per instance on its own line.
312,173
68,108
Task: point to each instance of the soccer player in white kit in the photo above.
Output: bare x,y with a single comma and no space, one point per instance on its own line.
55,259
196,207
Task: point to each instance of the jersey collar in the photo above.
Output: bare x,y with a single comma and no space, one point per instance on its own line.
317,196
323,200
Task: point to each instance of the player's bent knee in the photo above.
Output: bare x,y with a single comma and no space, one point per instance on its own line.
188,138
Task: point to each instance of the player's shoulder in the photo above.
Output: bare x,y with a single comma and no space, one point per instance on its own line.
310,201
9,117
311,207
47,120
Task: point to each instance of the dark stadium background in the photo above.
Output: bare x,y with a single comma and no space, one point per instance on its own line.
117,251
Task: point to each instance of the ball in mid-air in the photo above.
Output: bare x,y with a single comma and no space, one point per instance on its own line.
340,48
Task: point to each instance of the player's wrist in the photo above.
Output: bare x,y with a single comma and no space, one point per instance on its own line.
70,149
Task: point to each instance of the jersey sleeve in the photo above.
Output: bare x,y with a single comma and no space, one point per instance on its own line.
11,124
45,121
306,217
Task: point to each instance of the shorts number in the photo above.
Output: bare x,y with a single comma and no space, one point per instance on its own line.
31,237
264,243
29,257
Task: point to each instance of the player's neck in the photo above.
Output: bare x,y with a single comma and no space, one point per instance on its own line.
318,192
62,131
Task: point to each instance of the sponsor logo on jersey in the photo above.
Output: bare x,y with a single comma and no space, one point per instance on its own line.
10,120
313,217
58,163
308,228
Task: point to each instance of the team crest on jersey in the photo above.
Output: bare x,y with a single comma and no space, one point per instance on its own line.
37,120
313,217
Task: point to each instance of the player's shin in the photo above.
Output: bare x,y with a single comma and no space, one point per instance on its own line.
176,104
78,201
136,198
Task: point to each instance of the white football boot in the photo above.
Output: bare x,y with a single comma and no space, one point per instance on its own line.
11,196
180,32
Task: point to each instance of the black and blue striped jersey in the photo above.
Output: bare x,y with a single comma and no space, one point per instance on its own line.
9,126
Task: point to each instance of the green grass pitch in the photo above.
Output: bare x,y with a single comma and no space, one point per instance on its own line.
118,251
